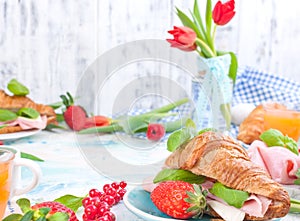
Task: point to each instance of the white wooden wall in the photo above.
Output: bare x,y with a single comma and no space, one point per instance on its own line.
47,44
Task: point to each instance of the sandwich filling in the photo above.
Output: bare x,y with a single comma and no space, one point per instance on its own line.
26,123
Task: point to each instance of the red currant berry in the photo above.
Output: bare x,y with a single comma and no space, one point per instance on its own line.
122,192
109,215
155,132
115,185
86,201
109,199
105,187
96,201
123,184
102,209
85,218
117,198
94,193
91,211
102,219
111,191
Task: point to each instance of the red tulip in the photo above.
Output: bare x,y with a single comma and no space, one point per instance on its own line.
184,38
223,12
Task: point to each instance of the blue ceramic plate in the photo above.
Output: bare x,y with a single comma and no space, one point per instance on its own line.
138,201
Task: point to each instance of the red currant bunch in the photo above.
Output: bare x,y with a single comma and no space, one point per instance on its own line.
97,204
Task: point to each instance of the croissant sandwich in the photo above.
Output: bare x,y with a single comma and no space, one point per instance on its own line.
9,105
221,159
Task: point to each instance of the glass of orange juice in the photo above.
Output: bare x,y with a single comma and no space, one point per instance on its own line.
6,167
286,121
11,183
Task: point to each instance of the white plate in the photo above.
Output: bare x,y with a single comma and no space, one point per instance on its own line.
18,135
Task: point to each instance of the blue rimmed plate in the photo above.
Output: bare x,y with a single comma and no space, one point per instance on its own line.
138,201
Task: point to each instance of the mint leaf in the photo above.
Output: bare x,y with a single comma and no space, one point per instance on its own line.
177,138
6,115
59,216
17,88
31,157
28,216
291,145
70,201
13,217
44,211
178,174
297,181
24,204
233,197
28,112
206,129
274,137
42,218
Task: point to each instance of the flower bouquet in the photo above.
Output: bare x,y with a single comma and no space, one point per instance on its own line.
198,34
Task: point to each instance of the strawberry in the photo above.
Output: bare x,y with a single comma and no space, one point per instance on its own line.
46,211
179,199
74,115
56,207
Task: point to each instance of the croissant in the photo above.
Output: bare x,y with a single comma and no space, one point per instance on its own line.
223,159
253,126
14,103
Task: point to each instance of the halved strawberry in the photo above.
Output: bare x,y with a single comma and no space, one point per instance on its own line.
46,211
56,207
179,199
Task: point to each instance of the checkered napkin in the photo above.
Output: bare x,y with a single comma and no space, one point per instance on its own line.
255,87
252,86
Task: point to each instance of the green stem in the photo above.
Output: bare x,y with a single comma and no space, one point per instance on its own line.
105,129
169,106
213,38
205,47
200,52
295,206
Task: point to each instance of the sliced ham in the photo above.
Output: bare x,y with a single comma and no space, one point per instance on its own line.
38,123
279,162
26,123
256,205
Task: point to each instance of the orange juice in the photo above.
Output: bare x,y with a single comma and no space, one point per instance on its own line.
286,121
5,179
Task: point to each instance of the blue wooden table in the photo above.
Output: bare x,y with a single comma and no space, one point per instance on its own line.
75,164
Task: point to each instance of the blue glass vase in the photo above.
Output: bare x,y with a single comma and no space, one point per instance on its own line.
212,93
